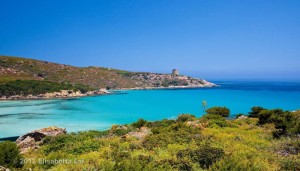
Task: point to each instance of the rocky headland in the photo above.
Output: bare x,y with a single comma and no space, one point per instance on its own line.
165,81
22,79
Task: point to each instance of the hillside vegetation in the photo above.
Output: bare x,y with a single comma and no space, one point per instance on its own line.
14,68
36,87
187,143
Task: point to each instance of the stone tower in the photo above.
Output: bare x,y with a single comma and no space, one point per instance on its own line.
175,72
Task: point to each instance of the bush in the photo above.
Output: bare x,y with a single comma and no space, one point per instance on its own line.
175,134
255,111
140,123
264,116
205,155
10,155
214,120
288,164
223,111
171,164
72,143
35,87
185,117
286,123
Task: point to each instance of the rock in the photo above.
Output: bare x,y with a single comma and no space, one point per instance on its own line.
242,117
143,131
196,124
33,139
3,169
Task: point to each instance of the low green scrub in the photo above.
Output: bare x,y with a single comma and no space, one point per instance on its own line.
205,155
286,123
214,120
34,87
186,143
222,111
9,155
140,123
186,117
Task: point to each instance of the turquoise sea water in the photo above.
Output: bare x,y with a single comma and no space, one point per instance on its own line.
100,112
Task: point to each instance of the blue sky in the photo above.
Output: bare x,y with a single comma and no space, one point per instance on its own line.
211,39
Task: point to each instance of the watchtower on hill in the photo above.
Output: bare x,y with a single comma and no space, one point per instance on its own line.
175,72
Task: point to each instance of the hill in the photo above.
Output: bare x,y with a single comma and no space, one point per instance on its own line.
15,68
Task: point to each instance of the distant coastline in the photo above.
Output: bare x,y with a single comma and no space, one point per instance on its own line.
29,79
65,95
206,85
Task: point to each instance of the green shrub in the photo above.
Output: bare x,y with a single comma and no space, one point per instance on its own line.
234,163
214,120
205,155
175,134
140,123
185,117
286,123
288,164
120,132
35,87
172,164
10,155
160,126
72,143
255,111
222,111
264,116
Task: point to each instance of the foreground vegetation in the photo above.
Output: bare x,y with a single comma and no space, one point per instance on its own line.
267,140
35,87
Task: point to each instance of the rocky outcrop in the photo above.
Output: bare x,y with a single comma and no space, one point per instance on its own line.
196,124
242,117
152,80
140,134
61,94
33,139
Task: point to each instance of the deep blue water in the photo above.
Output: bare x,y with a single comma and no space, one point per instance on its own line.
100,112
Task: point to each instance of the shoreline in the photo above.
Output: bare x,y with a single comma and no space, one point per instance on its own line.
162,88
64,95
170,87
56,95
14,138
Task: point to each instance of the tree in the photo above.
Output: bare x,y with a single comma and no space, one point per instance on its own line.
185,117
204,105
255,111
140,123
223,111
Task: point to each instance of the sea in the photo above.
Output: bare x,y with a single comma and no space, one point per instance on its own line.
127,106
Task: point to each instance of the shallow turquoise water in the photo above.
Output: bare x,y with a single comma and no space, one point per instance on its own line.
100,112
